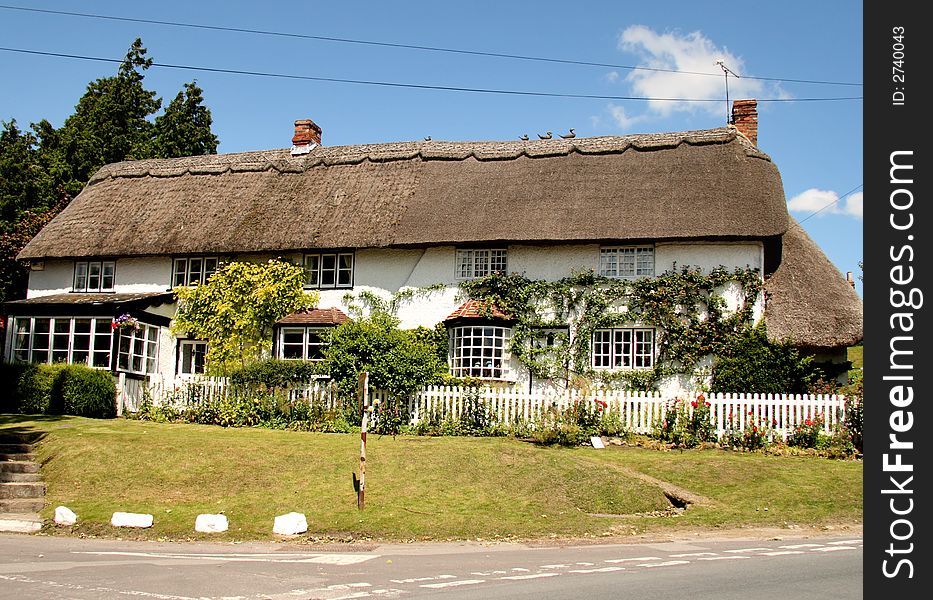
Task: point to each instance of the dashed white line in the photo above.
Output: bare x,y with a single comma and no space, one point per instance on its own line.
448,584
690,554
521,570
740,550
417,579
833,548
669,563
844,542
622,560
585,564
556,566
796,546
532,576
597,570
733,557
782,552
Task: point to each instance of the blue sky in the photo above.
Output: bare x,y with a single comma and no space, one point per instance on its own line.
817,145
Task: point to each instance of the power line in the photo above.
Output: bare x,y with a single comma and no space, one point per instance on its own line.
406,46
836,201
407,85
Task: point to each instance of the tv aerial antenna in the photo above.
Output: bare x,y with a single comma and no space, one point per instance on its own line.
726,71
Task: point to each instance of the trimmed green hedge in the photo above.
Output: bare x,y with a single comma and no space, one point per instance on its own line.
58,389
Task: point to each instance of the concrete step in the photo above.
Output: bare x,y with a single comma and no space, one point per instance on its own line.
5,477
28,456
22,489
15,437
18,466
20,522
21,505
14,448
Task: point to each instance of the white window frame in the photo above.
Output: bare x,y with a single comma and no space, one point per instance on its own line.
312,342
471,263
94,275
188,364
329,270
480,351
626,262
623,348
193,270
138,349
62,340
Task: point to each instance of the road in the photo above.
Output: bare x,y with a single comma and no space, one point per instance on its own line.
58,568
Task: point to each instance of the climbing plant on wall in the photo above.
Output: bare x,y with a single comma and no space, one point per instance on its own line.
687,308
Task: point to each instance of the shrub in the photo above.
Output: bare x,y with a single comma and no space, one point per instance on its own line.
84,392
29,387
750,362
808,434
686,427
756,434
275,373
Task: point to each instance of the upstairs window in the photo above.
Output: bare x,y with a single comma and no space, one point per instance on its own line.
94,276
329,270
623,348
471,264
626,261
193,270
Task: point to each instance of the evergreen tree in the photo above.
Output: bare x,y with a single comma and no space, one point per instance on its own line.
25,182
185,128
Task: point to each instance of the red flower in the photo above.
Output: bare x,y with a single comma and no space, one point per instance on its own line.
807,422
755,428
701,398
693,404
708,404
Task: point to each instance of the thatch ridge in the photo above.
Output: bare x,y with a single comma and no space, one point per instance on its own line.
809,302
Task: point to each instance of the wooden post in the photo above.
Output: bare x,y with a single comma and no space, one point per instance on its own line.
365,410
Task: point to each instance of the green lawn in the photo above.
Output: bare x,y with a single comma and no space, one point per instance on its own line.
417,487
855,356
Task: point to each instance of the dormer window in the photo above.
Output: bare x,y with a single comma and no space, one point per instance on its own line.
625,262
94,276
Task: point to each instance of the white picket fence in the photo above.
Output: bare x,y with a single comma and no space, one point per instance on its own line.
639,412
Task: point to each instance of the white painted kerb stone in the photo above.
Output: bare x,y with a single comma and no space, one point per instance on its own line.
65,516
211,523
290,524
125,519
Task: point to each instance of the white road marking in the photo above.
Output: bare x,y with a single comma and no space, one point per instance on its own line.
585,564
352,596
833,548
669,563
532,576
722,557
75,586
692,554
622,560
521,570
324,559
597,570
417,579
844,542
453,583
554,566
740,550
796,546
782,552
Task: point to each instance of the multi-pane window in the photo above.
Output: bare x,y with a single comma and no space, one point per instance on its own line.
193,270
301,343
329,270
630,261
138,349
192,355
76,340
94,276
479,351
480,262
626,348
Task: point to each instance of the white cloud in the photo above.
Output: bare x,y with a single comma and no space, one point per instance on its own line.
683,52
622,119
827,202
612,76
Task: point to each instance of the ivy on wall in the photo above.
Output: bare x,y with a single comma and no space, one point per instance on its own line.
555,320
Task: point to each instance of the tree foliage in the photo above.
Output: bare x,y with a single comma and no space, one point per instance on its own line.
750,362
185,127
236,309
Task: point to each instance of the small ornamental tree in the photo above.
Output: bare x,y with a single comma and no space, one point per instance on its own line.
236,309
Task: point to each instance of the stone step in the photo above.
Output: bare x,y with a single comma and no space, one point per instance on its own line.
5,477
22,489
18,466
29,522
14,448
27,456
14,437
21,505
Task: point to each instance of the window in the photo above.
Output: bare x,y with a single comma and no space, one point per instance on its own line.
75,340
91,276
329,270
623,348
632,261
138,349
301,343
191,357
480,351
193,270
479,263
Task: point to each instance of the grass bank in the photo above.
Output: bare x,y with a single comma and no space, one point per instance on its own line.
418,487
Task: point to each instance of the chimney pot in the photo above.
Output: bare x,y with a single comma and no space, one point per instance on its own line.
307,136
745,118
850,279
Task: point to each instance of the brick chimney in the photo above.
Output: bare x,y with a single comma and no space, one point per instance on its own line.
307,136
745,118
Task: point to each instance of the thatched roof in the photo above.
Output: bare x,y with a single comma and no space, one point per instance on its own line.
709,184
809,301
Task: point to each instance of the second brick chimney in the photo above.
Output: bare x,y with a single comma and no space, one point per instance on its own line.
307,136
745,118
